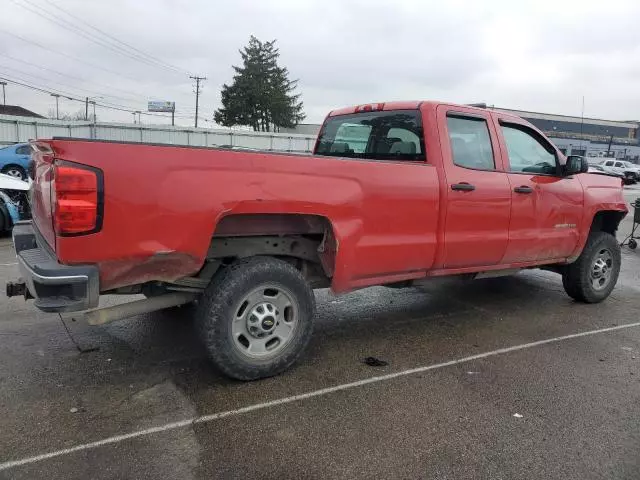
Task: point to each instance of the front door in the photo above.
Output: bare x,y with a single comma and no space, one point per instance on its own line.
478,193
546,208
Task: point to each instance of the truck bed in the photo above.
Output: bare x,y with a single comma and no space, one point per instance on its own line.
162,204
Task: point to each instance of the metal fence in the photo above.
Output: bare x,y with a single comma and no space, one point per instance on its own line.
22,129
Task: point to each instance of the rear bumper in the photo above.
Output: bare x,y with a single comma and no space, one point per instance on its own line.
55,287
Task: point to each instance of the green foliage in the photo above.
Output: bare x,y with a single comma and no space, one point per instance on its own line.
261,95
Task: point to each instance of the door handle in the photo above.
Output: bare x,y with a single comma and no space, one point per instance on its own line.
523,189
463,187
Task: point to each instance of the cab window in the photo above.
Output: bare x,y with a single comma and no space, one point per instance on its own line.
527,152
381,135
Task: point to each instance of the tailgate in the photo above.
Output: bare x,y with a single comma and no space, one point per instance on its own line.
41,208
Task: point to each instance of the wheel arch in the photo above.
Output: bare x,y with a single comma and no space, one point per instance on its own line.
306,240
606,221
7,166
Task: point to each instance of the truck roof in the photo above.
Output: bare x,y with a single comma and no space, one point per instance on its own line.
401,105
409,105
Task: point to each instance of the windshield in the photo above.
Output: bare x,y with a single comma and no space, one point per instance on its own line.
392,135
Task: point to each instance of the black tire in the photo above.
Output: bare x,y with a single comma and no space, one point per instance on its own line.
5,222
221,304
15,168
577,278
633,244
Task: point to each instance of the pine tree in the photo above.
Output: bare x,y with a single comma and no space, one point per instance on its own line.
261,94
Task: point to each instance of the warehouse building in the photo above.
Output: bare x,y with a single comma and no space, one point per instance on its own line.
593,137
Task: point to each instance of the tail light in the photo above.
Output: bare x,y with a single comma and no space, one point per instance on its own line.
77,199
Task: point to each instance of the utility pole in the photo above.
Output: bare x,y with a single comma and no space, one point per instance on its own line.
86,109
93,102
173,115
197,92
609,147
4,95
57,111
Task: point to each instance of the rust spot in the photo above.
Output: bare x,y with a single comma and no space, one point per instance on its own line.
327,252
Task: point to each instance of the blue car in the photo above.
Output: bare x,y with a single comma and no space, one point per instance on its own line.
15,159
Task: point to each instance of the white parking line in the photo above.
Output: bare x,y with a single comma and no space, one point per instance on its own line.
8,264
296,398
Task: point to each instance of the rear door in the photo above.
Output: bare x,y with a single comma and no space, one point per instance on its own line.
608,166
478,193
619,167
546,208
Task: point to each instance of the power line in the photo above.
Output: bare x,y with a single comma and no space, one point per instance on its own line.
40,67
73,97
71,57
66,85
147,55
46,88
69,26
197,92
93,65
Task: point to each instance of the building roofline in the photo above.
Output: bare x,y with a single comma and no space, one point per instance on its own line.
573,118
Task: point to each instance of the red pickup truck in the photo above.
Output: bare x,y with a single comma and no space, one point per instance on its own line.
394,193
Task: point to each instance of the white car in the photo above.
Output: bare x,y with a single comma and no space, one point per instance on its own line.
630,170
14,201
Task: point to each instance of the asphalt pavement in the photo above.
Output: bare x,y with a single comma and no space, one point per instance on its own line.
504,378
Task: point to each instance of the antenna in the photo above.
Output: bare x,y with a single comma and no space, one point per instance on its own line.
581,122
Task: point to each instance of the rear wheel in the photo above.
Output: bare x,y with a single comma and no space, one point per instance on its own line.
15,171
593,276
256,318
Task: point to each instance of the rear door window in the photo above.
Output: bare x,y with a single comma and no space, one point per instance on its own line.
470,142
23,150
382,135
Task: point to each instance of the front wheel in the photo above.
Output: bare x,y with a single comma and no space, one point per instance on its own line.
256,318
593,276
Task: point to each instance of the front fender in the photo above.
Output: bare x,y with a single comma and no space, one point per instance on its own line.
601,194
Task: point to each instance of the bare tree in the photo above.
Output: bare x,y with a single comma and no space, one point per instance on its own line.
79,115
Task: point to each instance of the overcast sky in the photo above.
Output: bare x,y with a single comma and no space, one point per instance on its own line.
539,55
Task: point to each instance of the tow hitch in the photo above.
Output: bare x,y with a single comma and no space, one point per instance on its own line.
18,289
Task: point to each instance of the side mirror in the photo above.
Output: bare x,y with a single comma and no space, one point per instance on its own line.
576,164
